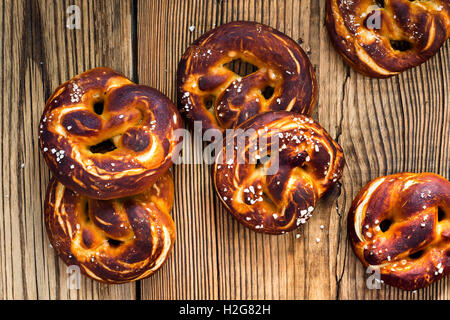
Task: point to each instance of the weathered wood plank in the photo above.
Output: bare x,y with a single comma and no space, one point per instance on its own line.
163,34
38,53
384,126
399,124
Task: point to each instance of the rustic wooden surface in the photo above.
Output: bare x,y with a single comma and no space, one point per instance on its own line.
384,126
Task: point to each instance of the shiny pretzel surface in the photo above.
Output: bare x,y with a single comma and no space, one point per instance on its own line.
112,241
401,224
381,38
210,92
309,163
106,137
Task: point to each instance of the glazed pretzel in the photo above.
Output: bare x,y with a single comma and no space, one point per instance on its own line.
381,38
281,64
310,162
106,137
113,241
401,223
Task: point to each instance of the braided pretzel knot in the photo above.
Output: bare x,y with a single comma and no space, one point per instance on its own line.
282,65
309,163
401,223
112,241
381,38
116,151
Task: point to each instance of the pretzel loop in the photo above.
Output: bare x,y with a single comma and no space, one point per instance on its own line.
381,38
210,92
401,223
113,241
106,137
308,163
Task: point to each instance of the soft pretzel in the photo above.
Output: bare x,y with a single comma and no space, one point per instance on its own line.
203,76
401,224
106,137
309,163
113,241
381,38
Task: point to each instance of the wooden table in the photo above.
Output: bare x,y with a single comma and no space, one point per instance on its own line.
384,126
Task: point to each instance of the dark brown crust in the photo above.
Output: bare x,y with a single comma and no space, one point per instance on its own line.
410,201
421,24
140,120
141,227
310,163
282,64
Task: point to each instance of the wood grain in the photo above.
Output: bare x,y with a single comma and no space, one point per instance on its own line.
384,126
192,271
39,53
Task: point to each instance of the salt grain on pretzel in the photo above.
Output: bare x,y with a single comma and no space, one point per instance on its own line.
401,224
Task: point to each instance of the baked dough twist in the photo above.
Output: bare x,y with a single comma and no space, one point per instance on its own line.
106,137
309,163
381,38
113,241
401,224
204,78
